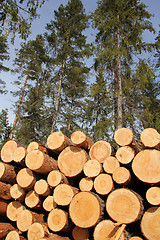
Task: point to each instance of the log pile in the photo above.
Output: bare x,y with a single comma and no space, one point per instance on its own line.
77,189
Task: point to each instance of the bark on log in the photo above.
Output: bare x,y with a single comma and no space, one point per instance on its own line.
80,233
5,191
26,218
125,154
40,162
106,229
58,220
124,206
150,138
5,228
81,140
37,231
17,192
92,168
40,147
41,187
57,141
14,235
26,178
32,200
122,176
153,196
86,184
55,177
85,209
150,226
71,161
3,207
110,164
146,166
13,210
63,194
7,173
19,155
103,184
100,150
7,151
49,204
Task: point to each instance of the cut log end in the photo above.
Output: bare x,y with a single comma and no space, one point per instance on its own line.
55,177
92,168
123,136
8,151
121,176
150,138
103,184
80,139
24,220
32,199
36,231
125,154
25,178
41,187
150,226
17,192
100,151
153,196
57,220
85,209
49,204
19,154
110,164
86,184
14,209
58,141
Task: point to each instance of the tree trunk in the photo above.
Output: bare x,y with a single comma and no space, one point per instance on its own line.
40,162
100,150
5,228
103,184
7,173
5,191
14,208
3,207
92,168
18,108
56,107
150,226
124,206
81,140
40,147
70,116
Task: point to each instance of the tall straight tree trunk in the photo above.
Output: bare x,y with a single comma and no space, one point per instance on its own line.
56,108
19,105
70,116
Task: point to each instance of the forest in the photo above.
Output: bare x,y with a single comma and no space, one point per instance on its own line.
54,87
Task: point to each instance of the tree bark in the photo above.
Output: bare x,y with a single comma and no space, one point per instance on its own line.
7,173
80,233
5,228
3,207
5,191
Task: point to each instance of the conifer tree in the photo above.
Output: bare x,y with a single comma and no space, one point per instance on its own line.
120,25
68,47
4,127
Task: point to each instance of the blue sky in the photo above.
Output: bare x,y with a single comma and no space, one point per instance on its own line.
38,26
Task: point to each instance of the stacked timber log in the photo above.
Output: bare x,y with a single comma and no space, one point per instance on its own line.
77,189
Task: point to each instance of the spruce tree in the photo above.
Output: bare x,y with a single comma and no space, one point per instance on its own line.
68,48
4,127
120,25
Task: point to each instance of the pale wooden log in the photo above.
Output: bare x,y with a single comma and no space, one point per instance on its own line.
106,230
150,223
146,166
103,184
7,151
150,138
17,192
58,220
122,176
123,136
26,218
19,155
55,177
7,173
13,210
49,204
41,187
110,164
14,235
86,184
55,237
37,231
71,161
40,162
32,200
3,207
125,154
153,196
26,178
135,238
40,147
63,194
57,141
80,233
92,168
81,140
100,150
5,228
85,209
124,206
5,190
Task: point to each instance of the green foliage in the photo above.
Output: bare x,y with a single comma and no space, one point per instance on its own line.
16,16
4,127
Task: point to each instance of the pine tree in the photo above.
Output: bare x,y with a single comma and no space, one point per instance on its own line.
120,25
4,127
68,47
